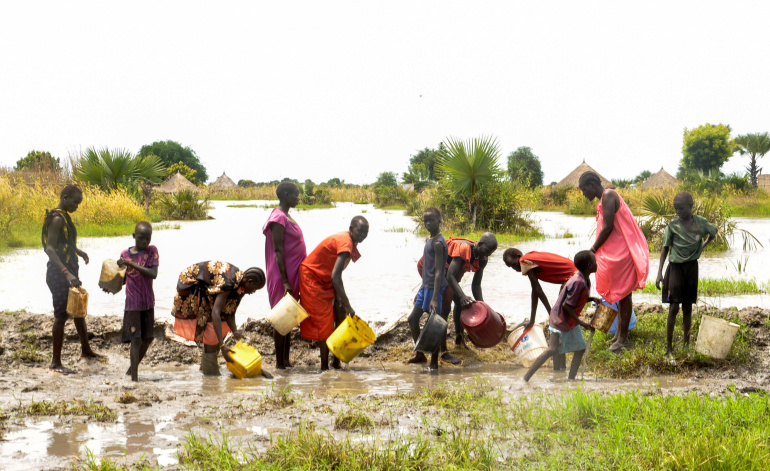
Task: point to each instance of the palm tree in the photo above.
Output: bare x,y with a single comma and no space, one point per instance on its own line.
756,145
467,166
111,169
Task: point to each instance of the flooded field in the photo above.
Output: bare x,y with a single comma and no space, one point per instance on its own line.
381,286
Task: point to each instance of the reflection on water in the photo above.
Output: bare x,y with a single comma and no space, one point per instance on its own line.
381,285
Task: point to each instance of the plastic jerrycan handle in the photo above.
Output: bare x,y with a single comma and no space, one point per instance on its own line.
521,337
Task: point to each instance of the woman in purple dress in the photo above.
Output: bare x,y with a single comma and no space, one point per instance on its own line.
284,252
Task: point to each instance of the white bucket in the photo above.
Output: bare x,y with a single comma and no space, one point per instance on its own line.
286,315
715,337
531,345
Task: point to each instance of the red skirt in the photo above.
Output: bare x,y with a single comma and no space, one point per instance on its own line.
318,300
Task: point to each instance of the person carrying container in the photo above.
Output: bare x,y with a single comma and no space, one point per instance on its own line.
320,283
541,266
683,242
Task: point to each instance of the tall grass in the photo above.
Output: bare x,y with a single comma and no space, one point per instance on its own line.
353,194
720,287
184,205
23,205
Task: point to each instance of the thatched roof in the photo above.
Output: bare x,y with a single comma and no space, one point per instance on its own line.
223,183
176,182
662,179
574,176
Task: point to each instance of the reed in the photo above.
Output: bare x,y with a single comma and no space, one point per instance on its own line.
357,194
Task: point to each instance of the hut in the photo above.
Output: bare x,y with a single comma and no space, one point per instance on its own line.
223,183
176,182
574,176
662,179
763,181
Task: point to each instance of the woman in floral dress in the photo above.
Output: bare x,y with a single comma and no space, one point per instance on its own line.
207,294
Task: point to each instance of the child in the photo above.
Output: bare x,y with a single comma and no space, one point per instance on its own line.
320,282
684,240
141,261
564,322
541,266
429,298
60,244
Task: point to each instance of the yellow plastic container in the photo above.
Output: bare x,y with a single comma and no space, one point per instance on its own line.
350,338
247,361
77,302
286,315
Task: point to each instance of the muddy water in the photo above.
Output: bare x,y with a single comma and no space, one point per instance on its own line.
381,285
189,401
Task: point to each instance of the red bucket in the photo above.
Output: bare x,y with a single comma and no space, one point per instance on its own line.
485,327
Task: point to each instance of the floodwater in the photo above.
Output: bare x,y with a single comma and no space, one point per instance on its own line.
156,431
381,285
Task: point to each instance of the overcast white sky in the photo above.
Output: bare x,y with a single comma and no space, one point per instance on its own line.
323,89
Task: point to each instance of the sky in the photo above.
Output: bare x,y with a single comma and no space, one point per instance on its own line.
267,90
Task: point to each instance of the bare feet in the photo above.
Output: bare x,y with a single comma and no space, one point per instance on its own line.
418,357
61,369
451,359
336,364
433,366
90,354
618,347
460,341
280,366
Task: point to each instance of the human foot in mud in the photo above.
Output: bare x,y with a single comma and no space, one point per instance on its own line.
460,341
91,354
418,357
451,359
619,347
336,363
59,368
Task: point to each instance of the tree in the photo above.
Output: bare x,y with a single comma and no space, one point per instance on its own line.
186,171
247,183
756,146
387,180
705,149
467,166
642,177
335,182
39,160
423,163
524,166
171,152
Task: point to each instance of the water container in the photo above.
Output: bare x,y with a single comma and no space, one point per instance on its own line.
352,336
112,276
247,362
528,345
485,327
601,319
431,335
286,315
77,302
715,337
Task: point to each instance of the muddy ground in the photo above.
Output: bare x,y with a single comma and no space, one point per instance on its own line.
172,397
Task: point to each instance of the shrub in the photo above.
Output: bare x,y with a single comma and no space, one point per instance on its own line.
183,205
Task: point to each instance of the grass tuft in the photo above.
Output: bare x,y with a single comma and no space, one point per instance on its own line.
126,398
98,412
720,287
353,419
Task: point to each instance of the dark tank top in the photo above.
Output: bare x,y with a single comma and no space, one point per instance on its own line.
429,263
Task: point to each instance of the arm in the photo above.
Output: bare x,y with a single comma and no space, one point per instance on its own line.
233,328
82,255
216,319
339,288
570,310
151,272
537,294
476,283
610,204
278,232
50,249
663,255
451,275
709,239
438,250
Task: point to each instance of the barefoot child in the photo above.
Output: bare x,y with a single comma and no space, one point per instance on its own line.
60,244
541,266
434,282
564,323
683,239
320,282
141,262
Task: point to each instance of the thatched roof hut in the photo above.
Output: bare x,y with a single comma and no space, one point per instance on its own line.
223,183
662,179
574,176
176,182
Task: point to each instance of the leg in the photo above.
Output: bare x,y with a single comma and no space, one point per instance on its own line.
279,341
625,318
414,328
136,346
287,350
85,348
58,341
209,363
673,310
324,355
459,329
559,362
686,322
575,366
434,360
339,318
553,349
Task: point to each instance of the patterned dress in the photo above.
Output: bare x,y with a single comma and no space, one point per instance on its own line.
196,290
65,249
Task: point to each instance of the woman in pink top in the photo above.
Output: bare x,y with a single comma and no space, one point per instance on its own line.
284,252
622,253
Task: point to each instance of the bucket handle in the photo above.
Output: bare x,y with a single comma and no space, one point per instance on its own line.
521,337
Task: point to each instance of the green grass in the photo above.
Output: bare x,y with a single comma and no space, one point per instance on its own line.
470,426
392,207
353,419
271,206
90,409
504,238
645,355
720,287
29,351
